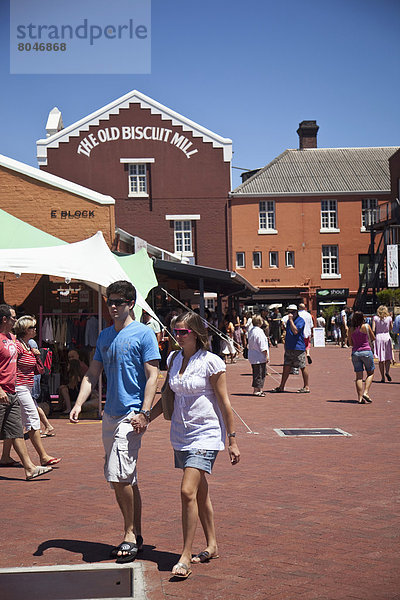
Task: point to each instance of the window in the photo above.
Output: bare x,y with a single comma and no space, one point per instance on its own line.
267,216
273,259
137,180
330,260
257,260
328,214
183,237
369,211
240,260
289,258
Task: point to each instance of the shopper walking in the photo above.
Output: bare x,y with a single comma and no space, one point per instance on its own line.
382,326
258,355
202,415
360,338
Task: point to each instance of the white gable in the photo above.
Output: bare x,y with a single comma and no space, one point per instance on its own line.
113,108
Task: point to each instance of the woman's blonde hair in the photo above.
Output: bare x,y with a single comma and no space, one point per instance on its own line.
193,321
23,324
382,311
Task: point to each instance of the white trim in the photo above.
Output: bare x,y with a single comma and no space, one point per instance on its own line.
330,230
137,160
182,217
267,231
54,180
301,194
138,195
331,276
133,97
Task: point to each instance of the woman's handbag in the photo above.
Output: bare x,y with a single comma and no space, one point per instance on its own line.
167,395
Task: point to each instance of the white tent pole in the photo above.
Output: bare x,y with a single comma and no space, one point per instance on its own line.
100,318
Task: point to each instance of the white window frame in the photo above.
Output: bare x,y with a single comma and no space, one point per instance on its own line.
273,253
257,264
242,256
266,217
287,254
137,180
183,237
329,216
330,262
369,204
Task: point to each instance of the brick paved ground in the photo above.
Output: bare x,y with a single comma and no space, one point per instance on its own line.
298,518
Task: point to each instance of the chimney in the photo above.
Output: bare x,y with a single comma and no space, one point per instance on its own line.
54,122
307,133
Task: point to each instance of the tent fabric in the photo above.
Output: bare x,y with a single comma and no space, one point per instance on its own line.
18,234
89,261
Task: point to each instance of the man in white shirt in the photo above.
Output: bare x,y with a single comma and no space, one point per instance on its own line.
153,324
309,326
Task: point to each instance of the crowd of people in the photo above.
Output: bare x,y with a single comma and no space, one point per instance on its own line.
196,356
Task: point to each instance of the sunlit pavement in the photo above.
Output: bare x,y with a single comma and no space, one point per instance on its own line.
298,518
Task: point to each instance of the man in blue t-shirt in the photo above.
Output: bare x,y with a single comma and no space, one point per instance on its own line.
128,352
295,350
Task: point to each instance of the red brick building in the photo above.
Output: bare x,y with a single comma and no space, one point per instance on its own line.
298,226
169,176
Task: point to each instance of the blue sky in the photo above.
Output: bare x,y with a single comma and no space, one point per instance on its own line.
250,71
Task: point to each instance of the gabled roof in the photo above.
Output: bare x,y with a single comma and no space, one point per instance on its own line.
322,171
114,107
53,180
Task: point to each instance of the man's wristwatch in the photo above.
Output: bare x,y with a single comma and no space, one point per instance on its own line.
146,413
231,435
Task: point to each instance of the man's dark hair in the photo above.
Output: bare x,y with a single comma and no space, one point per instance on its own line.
122,288
5,311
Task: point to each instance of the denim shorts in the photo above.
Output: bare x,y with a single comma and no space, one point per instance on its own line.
361,359
196,458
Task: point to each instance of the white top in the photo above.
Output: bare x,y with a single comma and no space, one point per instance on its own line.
321,321
197,419
258,343
309,323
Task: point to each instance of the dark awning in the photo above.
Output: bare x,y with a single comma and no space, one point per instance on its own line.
214,280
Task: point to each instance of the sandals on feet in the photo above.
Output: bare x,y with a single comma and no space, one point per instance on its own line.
259,394
116,549
303,390
276,390
203,557
130,550
182,566
38,472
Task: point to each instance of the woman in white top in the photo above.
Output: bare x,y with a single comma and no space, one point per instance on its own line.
258,354
202,415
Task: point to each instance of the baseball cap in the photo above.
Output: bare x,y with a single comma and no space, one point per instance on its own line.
292,307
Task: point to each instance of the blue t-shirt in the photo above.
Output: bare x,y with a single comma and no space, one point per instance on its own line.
123,354
292,341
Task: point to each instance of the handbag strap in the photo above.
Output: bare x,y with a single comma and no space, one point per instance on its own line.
171,361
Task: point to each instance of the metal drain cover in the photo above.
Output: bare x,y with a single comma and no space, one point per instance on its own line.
312,431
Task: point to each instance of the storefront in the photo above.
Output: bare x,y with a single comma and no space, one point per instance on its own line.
331,297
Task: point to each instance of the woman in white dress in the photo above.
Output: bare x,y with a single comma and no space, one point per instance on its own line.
202,416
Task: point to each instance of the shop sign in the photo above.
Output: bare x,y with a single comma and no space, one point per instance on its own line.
72,214
270,280
333,293
392,265
135,132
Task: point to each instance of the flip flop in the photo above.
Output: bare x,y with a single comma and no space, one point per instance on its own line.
259,394
276,390
203,557
12,463
38,472
303,391
51,461
181,565
131,550
51,433
116,549
367,398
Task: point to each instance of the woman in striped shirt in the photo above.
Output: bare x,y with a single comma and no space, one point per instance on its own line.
28,365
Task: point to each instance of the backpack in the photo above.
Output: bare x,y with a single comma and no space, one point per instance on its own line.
338,320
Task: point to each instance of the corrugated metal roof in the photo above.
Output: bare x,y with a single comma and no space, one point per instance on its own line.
322,170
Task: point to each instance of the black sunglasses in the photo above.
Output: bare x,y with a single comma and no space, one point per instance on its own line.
117,302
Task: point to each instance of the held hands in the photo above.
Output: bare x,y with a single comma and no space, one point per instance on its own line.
139,423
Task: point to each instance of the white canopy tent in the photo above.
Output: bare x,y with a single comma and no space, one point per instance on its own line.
89,261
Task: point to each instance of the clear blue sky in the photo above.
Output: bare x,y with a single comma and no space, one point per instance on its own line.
250,71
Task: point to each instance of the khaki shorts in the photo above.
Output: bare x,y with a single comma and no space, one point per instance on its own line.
121,446
10,419
295,358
